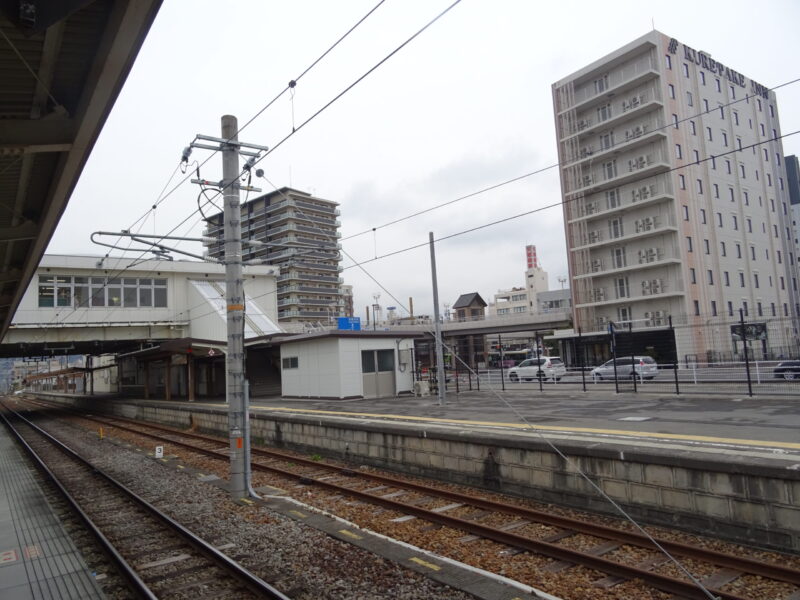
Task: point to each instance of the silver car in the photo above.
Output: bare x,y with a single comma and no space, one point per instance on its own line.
644,366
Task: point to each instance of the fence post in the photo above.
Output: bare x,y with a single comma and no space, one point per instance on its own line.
614,354
758,374
580,360
502,358
746,358
675,359
633,357
540,372
456,369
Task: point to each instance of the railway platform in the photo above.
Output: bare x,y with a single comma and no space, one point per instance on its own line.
38,560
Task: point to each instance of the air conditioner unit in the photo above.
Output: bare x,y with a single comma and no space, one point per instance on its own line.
652,254
634,101
594,236
601,323
649,159
639,225
642,256
638,130
582,124
590,208
636,195
648,223
587,180
599,295
659,314
656,286
644,192
625,106
597,265
587,151
645,287
652,189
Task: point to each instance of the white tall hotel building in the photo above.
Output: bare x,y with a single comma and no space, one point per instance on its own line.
675,196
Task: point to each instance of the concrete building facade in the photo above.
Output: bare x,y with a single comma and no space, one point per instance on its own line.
302,233
675,193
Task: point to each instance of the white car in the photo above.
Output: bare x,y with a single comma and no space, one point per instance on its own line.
644,366
544,367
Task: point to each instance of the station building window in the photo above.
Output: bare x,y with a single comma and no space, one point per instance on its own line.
82,292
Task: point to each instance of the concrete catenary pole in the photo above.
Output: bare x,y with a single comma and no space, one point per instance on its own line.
234,299
441,384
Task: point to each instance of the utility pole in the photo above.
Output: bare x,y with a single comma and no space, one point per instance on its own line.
234,299
441,384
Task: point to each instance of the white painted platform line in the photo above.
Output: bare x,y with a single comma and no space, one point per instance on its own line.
635,419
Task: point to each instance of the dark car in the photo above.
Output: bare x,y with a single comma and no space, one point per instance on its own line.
787,369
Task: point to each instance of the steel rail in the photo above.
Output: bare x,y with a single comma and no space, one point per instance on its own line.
250,580
747,565
665,583
139,587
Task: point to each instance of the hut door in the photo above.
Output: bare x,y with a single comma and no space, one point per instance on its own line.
377,372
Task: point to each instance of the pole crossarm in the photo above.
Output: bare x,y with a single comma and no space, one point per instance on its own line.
156,247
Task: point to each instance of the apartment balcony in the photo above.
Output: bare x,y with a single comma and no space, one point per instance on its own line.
295,276
630,169
303,205
310,289
648,289
646,258
314,314
632,197
315,266
638,134
641,228
623,110
306,302
629,77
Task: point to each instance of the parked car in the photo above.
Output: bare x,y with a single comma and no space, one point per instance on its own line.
787,369
544,367
644,366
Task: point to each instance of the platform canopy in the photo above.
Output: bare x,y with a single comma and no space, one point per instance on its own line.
62,65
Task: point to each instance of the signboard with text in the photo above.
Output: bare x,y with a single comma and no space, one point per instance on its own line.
350,323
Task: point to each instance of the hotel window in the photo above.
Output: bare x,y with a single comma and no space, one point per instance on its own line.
604,112
716,190
724,139
612,198
685,213
678,151
607,140
705,105
761,126
671,91
615,229
728,166
703,216
682,182
719,220
696,307
721,112
689,99
741,171
699,186
727,277
739,143
709,135
775,230
714,162
783,286
601,84
746,198
758,103
749,225
772,308
685,70
730,308
706,247
774,134
769,180
675,121
735,224
744,308
738,250
693,128
689,244
719,86
713,308
668,61
741,279
733,91
610,169
758,305
710,275
771,111
723,250
755,280
692,275
766,155
752,252
622,288
736,117
731,194
702,78
696,155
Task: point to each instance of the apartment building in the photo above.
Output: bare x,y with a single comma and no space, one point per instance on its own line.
675,194
302,236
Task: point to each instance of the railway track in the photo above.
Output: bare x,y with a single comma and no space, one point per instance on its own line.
616,555
159,557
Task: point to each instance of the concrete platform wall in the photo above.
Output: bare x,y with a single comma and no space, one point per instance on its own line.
747,503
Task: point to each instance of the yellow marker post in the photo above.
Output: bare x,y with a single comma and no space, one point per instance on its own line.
101,433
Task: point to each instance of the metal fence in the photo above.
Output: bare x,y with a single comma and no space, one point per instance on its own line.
718,356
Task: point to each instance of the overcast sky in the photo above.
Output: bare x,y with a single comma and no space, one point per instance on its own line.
464,106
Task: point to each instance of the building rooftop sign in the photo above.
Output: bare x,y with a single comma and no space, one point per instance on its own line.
714,66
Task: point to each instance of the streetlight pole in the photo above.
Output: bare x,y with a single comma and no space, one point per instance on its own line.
441,385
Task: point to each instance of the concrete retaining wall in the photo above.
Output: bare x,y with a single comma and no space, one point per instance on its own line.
755,503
